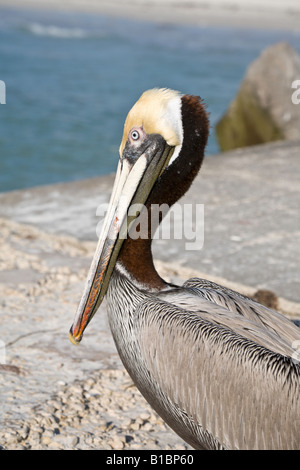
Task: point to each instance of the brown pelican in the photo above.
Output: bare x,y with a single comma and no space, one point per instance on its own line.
218,367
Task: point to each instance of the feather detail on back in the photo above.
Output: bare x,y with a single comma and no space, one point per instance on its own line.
218,379
273,323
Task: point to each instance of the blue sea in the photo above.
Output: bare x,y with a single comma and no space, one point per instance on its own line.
71,79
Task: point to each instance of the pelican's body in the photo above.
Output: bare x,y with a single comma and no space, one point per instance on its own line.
218,367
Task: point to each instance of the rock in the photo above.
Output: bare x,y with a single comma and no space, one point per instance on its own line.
116,443
267,298
263,110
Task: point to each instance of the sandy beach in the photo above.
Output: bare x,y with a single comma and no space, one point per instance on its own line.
269,14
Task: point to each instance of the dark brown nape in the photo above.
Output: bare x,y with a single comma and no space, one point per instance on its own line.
136,255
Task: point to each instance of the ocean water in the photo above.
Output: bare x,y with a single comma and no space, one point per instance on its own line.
71,79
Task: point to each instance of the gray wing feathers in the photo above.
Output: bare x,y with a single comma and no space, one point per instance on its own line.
264,318
226,388
227,316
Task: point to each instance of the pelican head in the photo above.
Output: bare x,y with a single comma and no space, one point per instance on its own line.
161,151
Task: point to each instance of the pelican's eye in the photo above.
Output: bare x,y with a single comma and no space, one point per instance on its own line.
135,135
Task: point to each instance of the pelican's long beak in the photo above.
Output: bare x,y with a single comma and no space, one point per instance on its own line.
138,169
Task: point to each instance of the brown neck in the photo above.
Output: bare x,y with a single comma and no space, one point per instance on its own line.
136,258
135,255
